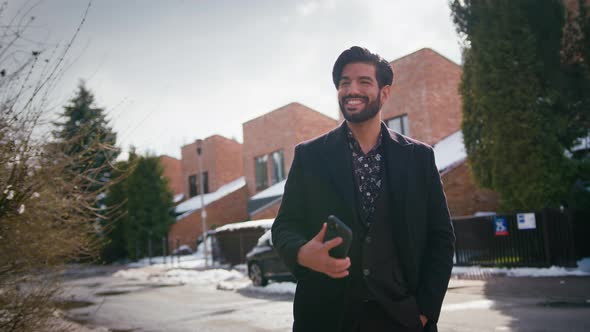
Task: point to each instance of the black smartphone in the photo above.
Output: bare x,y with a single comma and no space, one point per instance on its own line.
337,228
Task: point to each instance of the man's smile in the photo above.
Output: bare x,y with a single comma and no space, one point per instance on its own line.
355,101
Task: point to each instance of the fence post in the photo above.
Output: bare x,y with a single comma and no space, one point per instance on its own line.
164,248
546,238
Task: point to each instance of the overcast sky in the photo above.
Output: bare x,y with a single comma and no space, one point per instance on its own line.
169,72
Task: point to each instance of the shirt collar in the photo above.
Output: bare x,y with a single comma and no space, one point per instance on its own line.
356,147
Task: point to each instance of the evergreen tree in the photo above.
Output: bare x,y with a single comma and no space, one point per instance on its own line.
149,207
115,244
142,209
516,118
85,136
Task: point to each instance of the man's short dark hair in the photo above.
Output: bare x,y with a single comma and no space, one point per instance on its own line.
357,54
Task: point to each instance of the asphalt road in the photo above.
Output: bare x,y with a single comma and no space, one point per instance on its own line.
493,304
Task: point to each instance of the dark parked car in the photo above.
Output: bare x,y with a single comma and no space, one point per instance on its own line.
264,263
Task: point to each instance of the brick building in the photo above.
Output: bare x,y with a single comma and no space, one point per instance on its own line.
173,173
269,143
224,189
247,181
425,104
222,163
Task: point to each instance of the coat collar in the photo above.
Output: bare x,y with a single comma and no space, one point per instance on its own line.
337,157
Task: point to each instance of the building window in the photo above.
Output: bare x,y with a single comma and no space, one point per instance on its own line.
400,124
192,185
206,182
278,166
261,172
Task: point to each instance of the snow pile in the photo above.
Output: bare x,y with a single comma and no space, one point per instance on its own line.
275,288
181,276
194,261
187,207
553,271
263,223
275,190
584,264
207,277
449,151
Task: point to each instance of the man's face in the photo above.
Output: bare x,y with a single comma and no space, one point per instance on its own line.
359,95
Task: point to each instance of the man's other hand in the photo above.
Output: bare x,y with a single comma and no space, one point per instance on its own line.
315,255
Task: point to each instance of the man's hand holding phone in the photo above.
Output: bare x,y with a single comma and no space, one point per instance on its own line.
315,255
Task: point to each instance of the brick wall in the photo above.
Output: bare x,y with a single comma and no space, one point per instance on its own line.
268,213
280,129
231,208
222,159
173,172
464,197
425,87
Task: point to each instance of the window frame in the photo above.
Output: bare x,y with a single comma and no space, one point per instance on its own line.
403,124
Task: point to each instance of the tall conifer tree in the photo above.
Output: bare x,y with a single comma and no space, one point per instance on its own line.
516,120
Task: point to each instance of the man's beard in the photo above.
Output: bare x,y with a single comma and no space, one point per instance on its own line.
371,109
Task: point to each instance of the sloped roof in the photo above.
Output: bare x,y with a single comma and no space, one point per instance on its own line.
450,151
189,206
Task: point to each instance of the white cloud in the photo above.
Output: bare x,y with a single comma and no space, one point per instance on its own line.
307,8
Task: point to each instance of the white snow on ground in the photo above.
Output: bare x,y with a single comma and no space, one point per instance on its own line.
276,189
263,223
479,304
449,151
188,206
180,276
583,269
236,279
196,260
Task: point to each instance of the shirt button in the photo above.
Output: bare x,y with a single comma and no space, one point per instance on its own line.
368,239
366,272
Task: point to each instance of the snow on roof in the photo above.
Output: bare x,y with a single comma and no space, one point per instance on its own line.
187,207
449,151
263,223
582,143
265,237
276,189
178,198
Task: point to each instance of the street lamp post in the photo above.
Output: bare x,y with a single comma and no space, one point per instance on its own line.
203,207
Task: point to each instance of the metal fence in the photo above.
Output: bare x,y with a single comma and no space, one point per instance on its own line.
235,244
513,240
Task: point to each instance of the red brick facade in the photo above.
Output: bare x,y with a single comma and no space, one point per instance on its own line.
222,160
280,129
231,208
425,87
464,197
173,173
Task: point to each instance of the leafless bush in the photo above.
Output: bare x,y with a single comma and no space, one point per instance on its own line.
47,218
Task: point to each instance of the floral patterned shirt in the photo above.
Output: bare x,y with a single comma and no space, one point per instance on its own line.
367,170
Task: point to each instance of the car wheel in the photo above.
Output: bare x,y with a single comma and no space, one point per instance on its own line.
256,275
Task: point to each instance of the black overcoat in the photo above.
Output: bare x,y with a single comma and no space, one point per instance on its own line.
320,183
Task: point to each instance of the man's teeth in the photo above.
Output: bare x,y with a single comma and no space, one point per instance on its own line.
353,101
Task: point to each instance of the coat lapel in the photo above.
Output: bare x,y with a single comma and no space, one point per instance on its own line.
397,151
338,160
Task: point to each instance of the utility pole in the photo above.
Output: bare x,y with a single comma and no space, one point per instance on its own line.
203,207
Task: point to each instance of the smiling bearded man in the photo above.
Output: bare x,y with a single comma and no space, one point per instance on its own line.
387,189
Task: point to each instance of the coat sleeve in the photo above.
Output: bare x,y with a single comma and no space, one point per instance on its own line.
287,233
437,260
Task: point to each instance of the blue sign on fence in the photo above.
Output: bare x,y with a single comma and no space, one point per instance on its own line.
501,226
